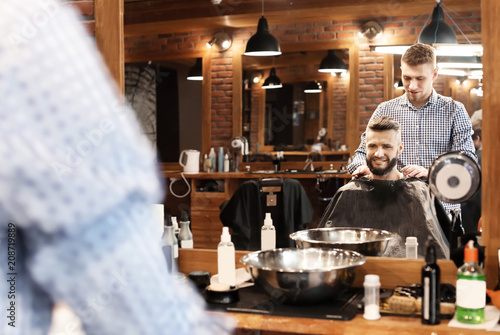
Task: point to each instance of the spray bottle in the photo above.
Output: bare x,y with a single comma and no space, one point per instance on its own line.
226,259
268,234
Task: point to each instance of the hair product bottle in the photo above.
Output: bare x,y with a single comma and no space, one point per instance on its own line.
226,259
431,290
471,288
268,234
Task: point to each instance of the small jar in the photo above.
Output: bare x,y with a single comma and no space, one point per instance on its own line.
411,247
372,297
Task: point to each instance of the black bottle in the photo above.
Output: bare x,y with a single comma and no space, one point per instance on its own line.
431,290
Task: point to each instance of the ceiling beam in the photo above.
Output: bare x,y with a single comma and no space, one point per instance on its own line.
157,17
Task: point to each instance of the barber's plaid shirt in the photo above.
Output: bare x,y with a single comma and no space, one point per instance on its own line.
441,125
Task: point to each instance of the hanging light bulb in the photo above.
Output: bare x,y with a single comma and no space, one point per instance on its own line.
272,81
332,63
438,31
313,87
262,43
196,72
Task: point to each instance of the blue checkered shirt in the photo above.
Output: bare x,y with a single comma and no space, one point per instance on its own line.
78,180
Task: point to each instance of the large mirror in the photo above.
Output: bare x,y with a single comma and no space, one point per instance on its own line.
287,118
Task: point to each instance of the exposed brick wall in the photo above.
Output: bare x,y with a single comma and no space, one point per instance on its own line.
371,64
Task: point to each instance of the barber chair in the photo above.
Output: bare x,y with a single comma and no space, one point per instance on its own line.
285,199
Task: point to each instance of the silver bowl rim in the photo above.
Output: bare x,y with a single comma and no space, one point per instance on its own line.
295,236
361,261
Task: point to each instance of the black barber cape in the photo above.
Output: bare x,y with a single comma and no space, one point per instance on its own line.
404,207
246,210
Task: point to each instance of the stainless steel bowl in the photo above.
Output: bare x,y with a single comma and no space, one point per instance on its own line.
369,242
303,276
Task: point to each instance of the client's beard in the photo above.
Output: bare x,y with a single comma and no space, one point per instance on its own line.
382,172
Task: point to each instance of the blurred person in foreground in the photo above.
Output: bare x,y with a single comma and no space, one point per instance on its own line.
77,184
432,124
386,199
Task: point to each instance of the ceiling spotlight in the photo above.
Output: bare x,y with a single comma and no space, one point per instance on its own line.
221,40
371,30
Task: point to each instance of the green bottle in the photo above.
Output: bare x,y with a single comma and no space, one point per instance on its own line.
471,288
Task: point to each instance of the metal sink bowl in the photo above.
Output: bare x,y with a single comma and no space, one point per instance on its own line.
367,241
303,276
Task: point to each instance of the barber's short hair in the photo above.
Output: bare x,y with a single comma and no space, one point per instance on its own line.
384,123
419,54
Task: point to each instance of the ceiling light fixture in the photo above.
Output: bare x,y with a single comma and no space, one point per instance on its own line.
332,63
272,81
196,72
438,34
313,87
475,74
262,43
221,40
459,62
371,30
452,72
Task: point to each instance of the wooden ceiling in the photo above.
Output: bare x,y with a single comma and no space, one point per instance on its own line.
149,17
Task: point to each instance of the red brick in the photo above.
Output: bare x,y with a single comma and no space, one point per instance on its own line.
216,81
285,26
182,34
366,87
223,61
393,25
175,40
218,68
374,94
302,25
374,80
379,87
315,30
326,36
370,67
350,27
218,118
307,37
226,99
292,32
185,46
291,38
404,32
401,18
366,60
242,36
224,87
346,35
217,93
322,24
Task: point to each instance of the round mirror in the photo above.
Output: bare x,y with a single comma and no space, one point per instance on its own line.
454,177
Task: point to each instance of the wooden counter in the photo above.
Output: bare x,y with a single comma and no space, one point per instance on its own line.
392,272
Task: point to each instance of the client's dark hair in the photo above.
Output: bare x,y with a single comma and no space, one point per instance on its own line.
384,123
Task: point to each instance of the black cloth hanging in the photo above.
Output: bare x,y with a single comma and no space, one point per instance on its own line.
245,212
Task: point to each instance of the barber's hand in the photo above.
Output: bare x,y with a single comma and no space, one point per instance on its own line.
415,171
360,171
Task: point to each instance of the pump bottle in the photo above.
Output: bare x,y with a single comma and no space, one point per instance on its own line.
185,235
226,259
431,291
268,234
212,156
471,288
169,246
411,247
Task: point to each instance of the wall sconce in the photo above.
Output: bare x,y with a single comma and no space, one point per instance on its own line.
462,80
256,77
221,40
371,30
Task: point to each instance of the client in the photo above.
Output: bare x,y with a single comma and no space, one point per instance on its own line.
385,199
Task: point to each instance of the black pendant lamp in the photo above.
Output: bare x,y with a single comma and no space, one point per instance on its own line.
262,43
196,72
313,87
332,63
272,81
438,32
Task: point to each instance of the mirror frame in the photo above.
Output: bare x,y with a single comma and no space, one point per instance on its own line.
206,129
352,136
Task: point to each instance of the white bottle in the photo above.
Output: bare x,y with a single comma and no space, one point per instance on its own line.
226,163
372,297
226,259
185,235
411,247
213,156
268,234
